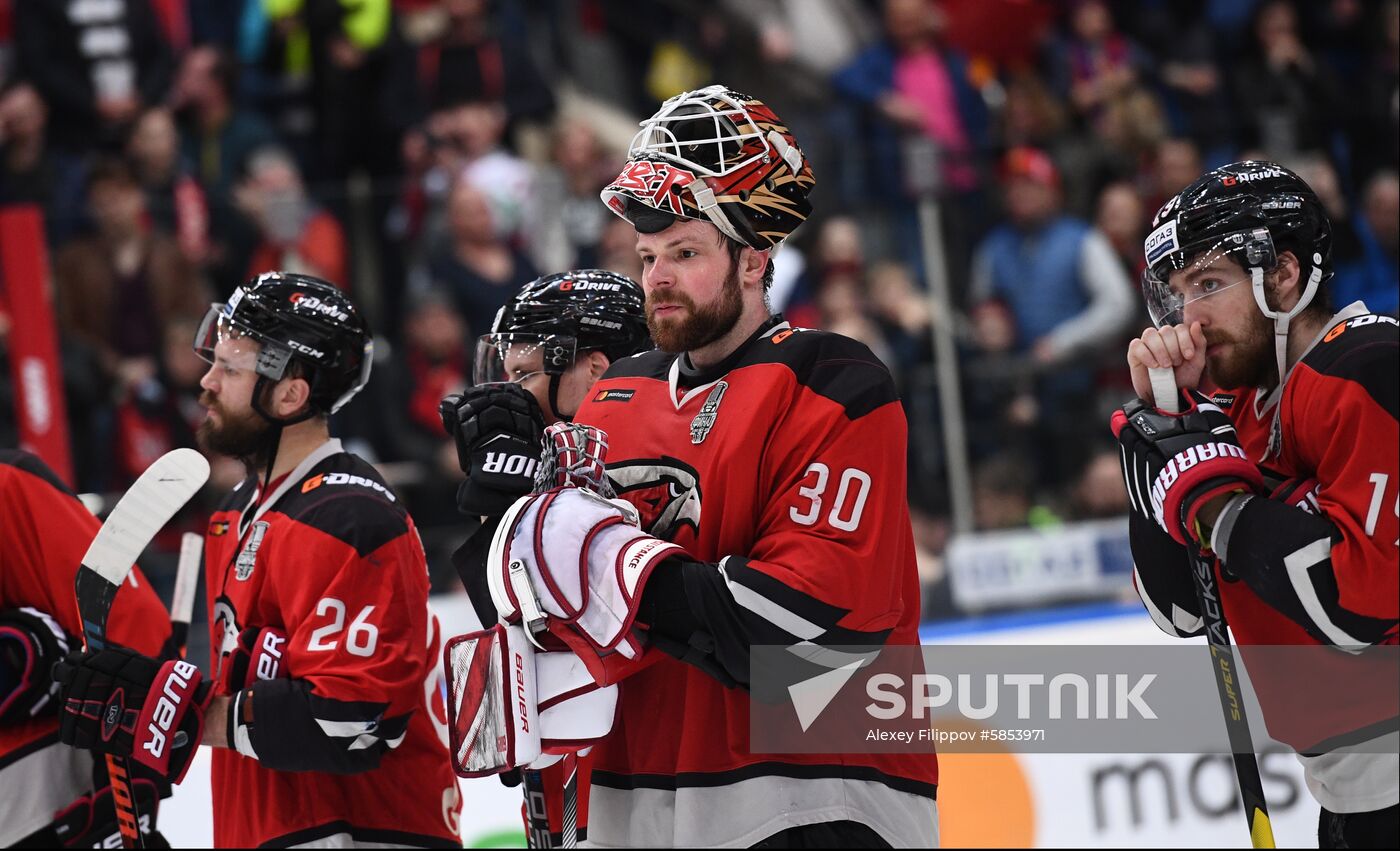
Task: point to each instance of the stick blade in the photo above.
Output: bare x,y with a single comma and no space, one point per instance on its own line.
187,577
143,510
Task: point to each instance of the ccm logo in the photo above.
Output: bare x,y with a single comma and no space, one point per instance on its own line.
522,705
164,715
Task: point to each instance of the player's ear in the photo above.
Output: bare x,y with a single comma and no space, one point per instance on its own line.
598,364
290,396
1287,284
755,263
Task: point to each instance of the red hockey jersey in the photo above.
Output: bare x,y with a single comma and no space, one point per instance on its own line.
44,533
1327,577
351,743
785,465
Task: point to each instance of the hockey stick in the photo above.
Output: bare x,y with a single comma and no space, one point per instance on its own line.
145,507
186,581
1222,653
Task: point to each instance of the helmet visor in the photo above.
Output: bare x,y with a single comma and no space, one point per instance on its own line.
1168,289
510,357
219,341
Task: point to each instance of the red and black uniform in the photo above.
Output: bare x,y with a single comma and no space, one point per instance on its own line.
351,745
1326,576
45,531
782,471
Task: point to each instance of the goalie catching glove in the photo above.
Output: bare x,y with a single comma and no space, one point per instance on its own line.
576,563
1176,463
120,702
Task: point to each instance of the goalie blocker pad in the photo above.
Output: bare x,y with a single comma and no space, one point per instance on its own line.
510,705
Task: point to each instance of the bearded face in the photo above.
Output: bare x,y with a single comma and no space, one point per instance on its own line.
694,326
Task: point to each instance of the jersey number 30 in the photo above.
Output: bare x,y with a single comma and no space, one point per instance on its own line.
846,509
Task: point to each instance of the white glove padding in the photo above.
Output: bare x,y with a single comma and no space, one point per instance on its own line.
577,562
511,706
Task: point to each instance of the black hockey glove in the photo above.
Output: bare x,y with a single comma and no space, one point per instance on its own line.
31,642
1176,463
499,430
120,702
91,821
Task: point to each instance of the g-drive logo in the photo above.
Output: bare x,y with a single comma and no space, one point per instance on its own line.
1065,696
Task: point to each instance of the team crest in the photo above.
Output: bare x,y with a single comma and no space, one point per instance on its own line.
247,559
665,491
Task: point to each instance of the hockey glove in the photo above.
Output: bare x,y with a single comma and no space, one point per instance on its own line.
497,429
1300,493
120,702
31,642
1176,463
259,656
90,821
576,562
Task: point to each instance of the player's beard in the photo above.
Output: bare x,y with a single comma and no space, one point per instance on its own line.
700,326
245,436
1249,361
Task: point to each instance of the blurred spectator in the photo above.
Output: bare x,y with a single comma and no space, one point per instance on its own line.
1099,493
842,303
217,139
1375,129
1123,221
1100,71
580,169
1001,492
31,172
902,313
95,64
477,270
839,251
1196,91
174,199
617,248
1374,277
912,84
162,411
473,59
296,235
1176,166
218,136
1063,285
1286,100
118,288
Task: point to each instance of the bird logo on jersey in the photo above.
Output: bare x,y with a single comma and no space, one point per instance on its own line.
666,492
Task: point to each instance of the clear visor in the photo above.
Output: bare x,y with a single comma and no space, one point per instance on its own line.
1176,281
516,357
219,341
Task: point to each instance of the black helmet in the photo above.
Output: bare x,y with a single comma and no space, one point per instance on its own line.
295,318
565,315
1251,210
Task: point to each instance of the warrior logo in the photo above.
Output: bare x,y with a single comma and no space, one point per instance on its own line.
666,492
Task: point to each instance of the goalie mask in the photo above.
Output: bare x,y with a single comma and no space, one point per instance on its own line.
721,156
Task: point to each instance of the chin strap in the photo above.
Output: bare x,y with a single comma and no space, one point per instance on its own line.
1282,321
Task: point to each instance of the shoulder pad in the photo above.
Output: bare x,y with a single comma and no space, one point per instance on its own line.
831,365
1362,350
347,499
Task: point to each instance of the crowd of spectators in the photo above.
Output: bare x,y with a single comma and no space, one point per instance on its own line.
430,156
